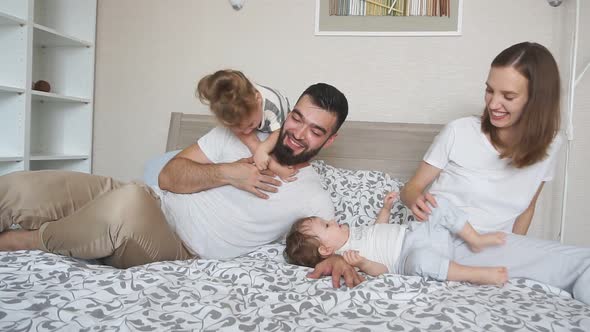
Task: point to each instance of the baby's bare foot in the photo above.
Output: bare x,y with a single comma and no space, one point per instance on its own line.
487,240
490,276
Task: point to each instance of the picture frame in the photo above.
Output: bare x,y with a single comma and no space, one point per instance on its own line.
326,25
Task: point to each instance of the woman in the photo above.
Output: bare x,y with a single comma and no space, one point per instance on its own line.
494,167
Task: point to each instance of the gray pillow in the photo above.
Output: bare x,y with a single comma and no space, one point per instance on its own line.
358,195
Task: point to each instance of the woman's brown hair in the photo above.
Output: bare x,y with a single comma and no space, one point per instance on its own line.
229,94
302,249
539,122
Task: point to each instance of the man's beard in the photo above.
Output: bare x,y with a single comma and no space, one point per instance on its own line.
284,154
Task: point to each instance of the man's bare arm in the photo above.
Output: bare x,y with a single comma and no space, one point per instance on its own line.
190,171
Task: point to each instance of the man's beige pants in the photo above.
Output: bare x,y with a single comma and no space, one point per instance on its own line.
91,217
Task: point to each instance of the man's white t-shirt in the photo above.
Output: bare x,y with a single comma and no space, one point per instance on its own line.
474,178
227,222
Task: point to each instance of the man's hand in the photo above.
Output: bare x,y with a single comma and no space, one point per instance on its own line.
336,266
420,208
244,175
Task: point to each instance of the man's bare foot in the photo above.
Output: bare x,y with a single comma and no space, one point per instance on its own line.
19,240
489,276
480,241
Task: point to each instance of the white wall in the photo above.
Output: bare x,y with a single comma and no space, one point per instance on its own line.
151,53
577,228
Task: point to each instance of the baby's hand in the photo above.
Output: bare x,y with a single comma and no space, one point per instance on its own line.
389,199
286,173
353,258
261,159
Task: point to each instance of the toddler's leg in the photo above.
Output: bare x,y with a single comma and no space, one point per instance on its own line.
453,219
478,275
424,262
477,242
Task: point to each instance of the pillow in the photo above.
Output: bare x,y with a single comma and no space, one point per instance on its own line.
152,167
358,195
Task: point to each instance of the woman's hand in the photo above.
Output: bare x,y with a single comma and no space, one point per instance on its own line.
414,193
421,208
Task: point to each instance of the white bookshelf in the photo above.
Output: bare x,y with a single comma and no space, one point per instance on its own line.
50,40
7,19
15,8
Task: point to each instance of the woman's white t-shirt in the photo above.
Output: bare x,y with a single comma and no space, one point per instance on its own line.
490,190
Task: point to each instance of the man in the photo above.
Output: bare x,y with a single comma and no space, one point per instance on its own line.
206,207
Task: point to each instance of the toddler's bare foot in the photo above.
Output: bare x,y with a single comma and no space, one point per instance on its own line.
489,276
481,241
19,240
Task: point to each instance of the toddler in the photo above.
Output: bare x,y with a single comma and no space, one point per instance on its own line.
423,248
245,107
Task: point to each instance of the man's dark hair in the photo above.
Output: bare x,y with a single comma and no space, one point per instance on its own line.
329,99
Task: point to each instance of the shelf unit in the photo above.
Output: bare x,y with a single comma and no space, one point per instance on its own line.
50,40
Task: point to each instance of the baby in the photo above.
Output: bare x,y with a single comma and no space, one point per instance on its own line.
421,249
245,107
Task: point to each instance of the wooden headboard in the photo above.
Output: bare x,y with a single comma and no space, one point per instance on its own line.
395,148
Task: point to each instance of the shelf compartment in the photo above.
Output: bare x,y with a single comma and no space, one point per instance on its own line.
10,89
59,157
54,97
60,131
11,166
12,124
68,70
74,18
14,10
13,56
7,19
48,37
77,165
5,159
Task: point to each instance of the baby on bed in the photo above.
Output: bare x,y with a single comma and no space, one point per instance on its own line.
409,250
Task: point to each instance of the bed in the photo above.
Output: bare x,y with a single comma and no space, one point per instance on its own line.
259,291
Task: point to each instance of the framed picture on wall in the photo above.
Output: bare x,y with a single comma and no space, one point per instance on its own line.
388,17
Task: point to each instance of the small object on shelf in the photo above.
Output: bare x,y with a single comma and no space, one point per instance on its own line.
42,86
